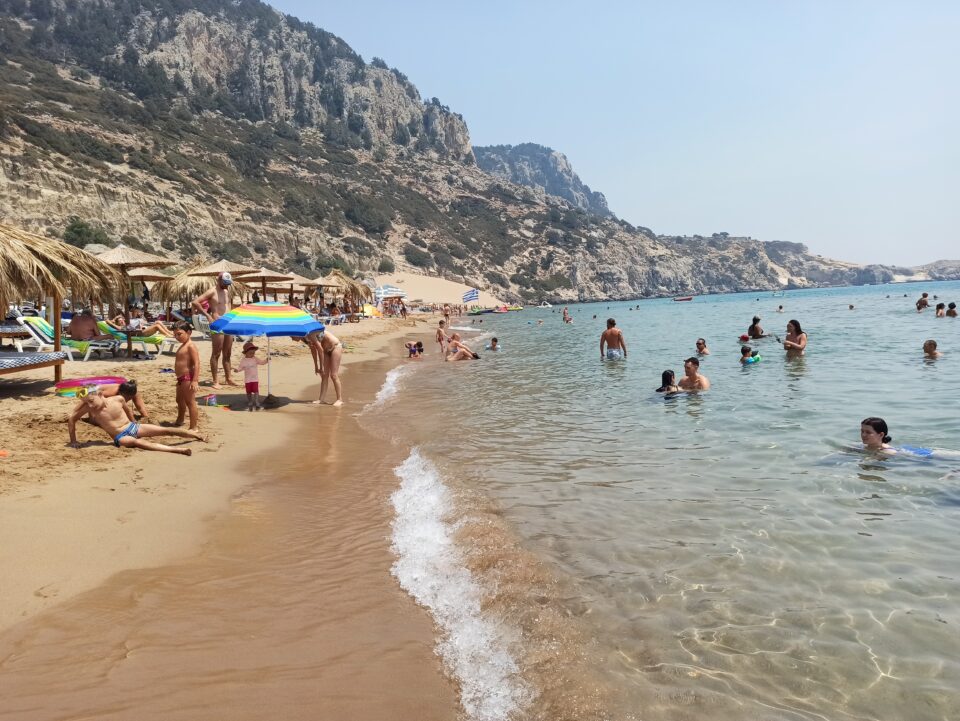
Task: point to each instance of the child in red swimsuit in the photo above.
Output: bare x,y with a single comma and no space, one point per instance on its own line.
251,374
187,369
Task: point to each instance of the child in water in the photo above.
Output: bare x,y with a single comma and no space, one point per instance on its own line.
494,345
415,350
748,355
930,351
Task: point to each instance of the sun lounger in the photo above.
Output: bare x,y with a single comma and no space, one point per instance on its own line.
14,362
158,341
41,338
86,347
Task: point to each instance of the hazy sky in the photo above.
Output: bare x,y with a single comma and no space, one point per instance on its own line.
833,123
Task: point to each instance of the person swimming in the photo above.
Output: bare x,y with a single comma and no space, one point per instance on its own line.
875,436
755,330
493,345
668,383
930,351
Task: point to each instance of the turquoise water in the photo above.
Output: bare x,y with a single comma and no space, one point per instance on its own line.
723,555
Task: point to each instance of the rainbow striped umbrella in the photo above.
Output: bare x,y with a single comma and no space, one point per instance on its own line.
269,319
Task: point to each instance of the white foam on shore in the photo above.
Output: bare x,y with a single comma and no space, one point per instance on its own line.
391,384
430,567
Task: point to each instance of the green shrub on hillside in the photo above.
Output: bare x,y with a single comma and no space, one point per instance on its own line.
386,265
358,246
80,233
416,256
371,214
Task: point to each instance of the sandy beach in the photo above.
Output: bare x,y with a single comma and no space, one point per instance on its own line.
82,530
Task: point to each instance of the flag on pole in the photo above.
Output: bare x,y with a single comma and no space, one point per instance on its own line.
471,295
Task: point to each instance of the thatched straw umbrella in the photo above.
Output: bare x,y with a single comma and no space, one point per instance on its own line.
124,259
223,266
352,289
32,266
187,284
265,275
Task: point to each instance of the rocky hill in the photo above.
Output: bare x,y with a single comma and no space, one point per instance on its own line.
543,168
224,127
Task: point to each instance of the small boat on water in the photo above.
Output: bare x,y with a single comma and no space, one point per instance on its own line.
686,297
544,304
515,307
501,309
778,294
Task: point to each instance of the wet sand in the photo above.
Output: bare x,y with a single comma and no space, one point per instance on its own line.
250,581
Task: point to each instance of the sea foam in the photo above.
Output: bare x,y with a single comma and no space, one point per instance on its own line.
430,567
391,384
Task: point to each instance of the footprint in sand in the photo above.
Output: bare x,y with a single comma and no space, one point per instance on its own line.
48,591
125,517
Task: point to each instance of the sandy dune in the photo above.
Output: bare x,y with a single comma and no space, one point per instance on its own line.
433,290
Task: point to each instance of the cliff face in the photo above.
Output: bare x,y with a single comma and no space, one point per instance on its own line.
536,166
227,129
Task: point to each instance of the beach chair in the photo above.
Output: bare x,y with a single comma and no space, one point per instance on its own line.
201,325
41,339
157,340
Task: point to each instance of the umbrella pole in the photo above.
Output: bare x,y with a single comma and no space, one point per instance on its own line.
57,330
268,367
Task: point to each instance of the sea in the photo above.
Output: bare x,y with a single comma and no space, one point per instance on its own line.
591,549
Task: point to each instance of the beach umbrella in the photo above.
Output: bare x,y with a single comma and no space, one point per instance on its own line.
125,259
264,275
269,319
222,266
32,265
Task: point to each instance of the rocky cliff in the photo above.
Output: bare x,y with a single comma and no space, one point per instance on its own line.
545,169
228,129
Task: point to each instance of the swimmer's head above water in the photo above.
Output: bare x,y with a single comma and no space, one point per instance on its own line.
874,433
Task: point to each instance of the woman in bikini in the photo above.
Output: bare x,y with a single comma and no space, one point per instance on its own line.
796,341
332,350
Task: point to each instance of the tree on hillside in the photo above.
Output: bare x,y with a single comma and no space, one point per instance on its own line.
80,233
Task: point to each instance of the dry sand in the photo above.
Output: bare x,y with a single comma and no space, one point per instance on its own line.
71,520
430,289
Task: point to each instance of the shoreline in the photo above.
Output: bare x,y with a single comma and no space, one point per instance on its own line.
60,534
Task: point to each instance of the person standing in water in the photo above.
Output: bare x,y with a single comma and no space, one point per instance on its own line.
217,299
755,331
692,380
930,351
702,347
668,383
796,341
923,302
612,338
951,310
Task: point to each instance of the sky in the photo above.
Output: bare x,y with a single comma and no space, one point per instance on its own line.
833,123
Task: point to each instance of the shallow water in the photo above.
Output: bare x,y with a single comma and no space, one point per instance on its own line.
721,556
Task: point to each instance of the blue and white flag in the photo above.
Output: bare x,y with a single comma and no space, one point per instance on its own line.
471,295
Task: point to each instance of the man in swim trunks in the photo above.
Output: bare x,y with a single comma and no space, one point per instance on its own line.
114,416
612,338
83,326
692,379
217,300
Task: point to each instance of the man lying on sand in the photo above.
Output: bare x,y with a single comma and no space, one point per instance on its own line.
114,416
